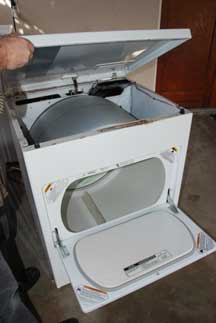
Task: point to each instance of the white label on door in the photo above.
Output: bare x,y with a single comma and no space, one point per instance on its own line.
89,295
149,262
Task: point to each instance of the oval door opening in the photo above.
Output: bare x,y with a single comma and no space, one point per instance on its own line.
100,198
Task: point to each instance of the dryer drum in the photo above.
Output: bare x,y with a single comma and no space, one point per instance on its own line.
75,115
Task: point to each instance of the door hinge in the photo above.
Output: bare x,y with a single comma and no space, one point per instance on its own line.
171,203
59,244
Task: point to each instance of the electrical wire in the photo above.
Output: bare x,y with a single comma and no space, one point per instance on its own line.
14,14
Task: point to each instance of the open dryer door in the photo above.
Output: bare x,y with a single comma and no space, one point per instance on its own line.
114,257
114,262
107,260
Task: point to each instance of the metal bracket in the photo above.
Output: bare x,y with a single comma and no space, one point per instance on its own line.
58,244
171,203
74,79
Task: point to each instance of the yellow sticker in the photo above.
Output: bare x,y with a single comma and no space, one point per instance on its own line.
47,188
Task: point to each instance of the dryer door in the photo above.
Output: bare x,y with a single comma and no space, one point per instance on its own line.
115,261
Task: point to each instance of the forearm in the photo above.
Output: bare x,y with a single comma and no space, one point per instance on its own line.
3,55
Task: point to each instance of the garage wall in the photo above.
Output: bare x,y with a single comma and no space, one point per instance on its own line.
5,16
54,16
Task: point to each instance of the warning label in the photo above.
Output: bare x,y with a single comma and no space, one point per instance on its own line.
90,295
53,190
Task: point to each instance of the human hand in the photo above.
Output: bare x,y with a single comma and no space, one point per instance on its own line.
15,52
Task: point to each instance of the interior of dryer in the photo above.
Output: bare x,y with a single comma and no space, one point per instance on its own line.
97,199
76,115
106,104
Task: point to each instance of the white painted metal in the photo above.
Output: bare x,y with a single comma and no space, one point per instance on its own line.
79,279
153,52
98,55
53,166
107,37
107,151
114,257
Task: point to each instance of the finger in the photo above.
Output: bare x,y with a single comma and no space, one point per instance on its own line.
30,45
13,34
30,55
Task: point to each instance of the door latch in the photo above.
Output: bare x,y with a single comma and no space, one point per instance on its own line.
171,203
58,244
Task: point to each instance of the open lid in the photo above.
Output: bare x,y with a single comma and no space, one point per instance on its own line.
96,54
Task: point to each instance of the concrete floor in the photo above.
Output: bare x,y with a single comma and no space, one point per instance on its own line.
188,295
